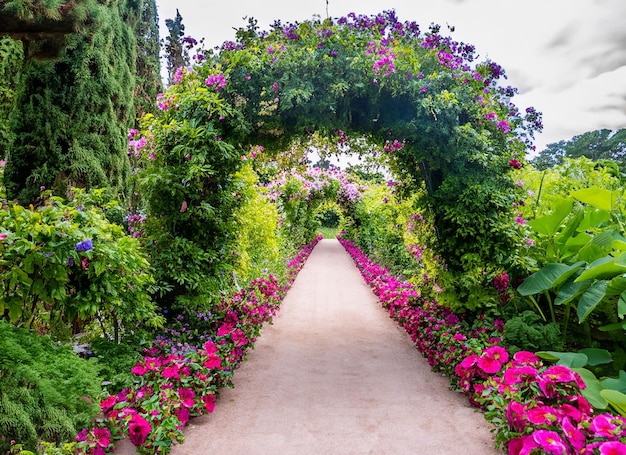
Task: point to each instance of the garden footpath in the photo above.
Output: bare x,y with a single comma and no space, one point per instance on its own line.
335,375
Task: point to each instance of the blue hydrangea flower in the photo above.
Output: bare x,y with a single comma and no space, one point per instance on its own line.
85,245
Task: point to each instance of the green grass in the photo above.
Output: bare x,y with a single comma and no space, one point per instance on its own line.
329,233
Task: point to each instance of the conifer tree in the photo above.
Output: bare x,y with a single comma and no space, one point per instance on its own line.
148,72
72,114
175,54
10,62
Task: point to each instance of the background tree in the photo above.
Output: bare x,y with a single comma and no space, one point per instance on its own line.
147,72
72,114
10,62
596,145
173,46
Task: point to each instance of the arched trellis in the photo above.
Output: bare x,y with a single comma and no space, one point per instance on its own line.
443,120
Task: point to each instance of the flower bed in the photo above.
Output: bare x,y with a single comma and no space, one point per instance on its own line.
181,374
535,408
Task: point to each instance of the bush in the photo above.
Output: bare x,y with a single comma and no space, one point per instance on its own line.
47,390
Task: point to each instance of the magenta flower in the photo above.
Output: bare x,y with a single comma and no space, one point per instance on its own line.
492,359
516,375
612,448
216,80
525,358
171,372
522,445
542,415
574,436
138,429
102,436
515,416
187,397
209,402
183,415
550,442
603,426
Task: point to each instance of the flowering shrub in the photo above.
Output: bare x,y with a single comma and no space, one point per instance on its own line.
180,375
538,408
535,408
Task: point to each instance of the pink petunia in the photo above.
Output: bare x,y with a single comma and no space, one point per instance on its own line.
187,397
542,415
574,436
522,445
612,448
171,372
183,415
603,426
492,359
138,430
102,436
515,416
209,402
550,442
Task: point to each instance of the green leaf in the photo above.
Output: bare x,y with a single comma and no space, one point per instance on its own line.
593,389
596,356
611,327
621,305
617,400
571,290
549,224
602,268
568,359
616,286
550,276
618,384
600,198
590,299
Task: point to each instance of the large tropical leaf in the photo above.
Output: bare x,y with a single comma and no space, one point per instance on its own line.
596,356
550,276
603,268
618,384
600,198
617,400
571,290
549,224
568,359
591,298
593,389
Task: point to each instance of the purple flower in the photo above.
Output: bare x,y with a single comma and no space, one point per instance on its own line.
85,245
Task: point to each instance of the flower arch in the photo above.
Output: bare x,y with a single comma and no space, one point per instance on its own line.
444,121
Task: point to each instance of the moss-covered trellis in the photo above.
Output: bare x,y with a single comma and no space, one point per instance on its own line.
443,121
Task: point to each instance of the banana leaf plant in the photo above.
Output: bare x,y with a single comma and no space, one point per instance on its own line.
585,252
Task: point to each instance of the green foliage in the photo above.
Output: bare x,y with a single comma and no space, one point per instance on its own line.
48,392
48,280
258,243
528,332
72,114
11,59
596,145
174,54
190,191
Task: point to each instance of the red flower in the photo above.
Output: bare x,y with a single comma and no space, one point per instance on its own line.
515,164
138,429
187,397
107,404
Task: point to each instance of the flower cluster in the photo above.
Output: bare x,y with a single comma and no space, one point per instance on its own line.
180,374
216,80
538,407
394,146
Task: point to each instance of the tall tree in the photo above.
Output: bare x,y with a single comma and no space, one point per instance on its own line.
174,53
148,72
596,145
72,114
10,63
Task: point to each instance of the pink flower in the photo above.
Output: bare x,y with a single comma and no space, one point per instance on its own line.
603,426
102,436
525,358
492,359
139,369
515,416
550,442
515,164
574,436
515,375
209,402
107,404
138,429
3,236
183,415
542,415
522,445
183,207
187,397
171,372
612,448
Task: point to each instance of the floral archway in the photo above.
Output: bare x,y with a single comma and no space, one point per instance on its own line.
444,122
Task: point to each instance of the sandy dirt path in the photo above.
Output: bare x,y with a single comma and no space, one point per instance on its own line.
335,375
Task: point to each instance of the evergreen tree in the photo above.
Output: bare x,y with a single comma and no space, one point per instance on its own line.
174,53
10,63
72,114
148,72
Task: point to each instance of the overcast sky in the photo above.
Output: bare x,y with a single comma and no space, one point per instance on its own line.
567,57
